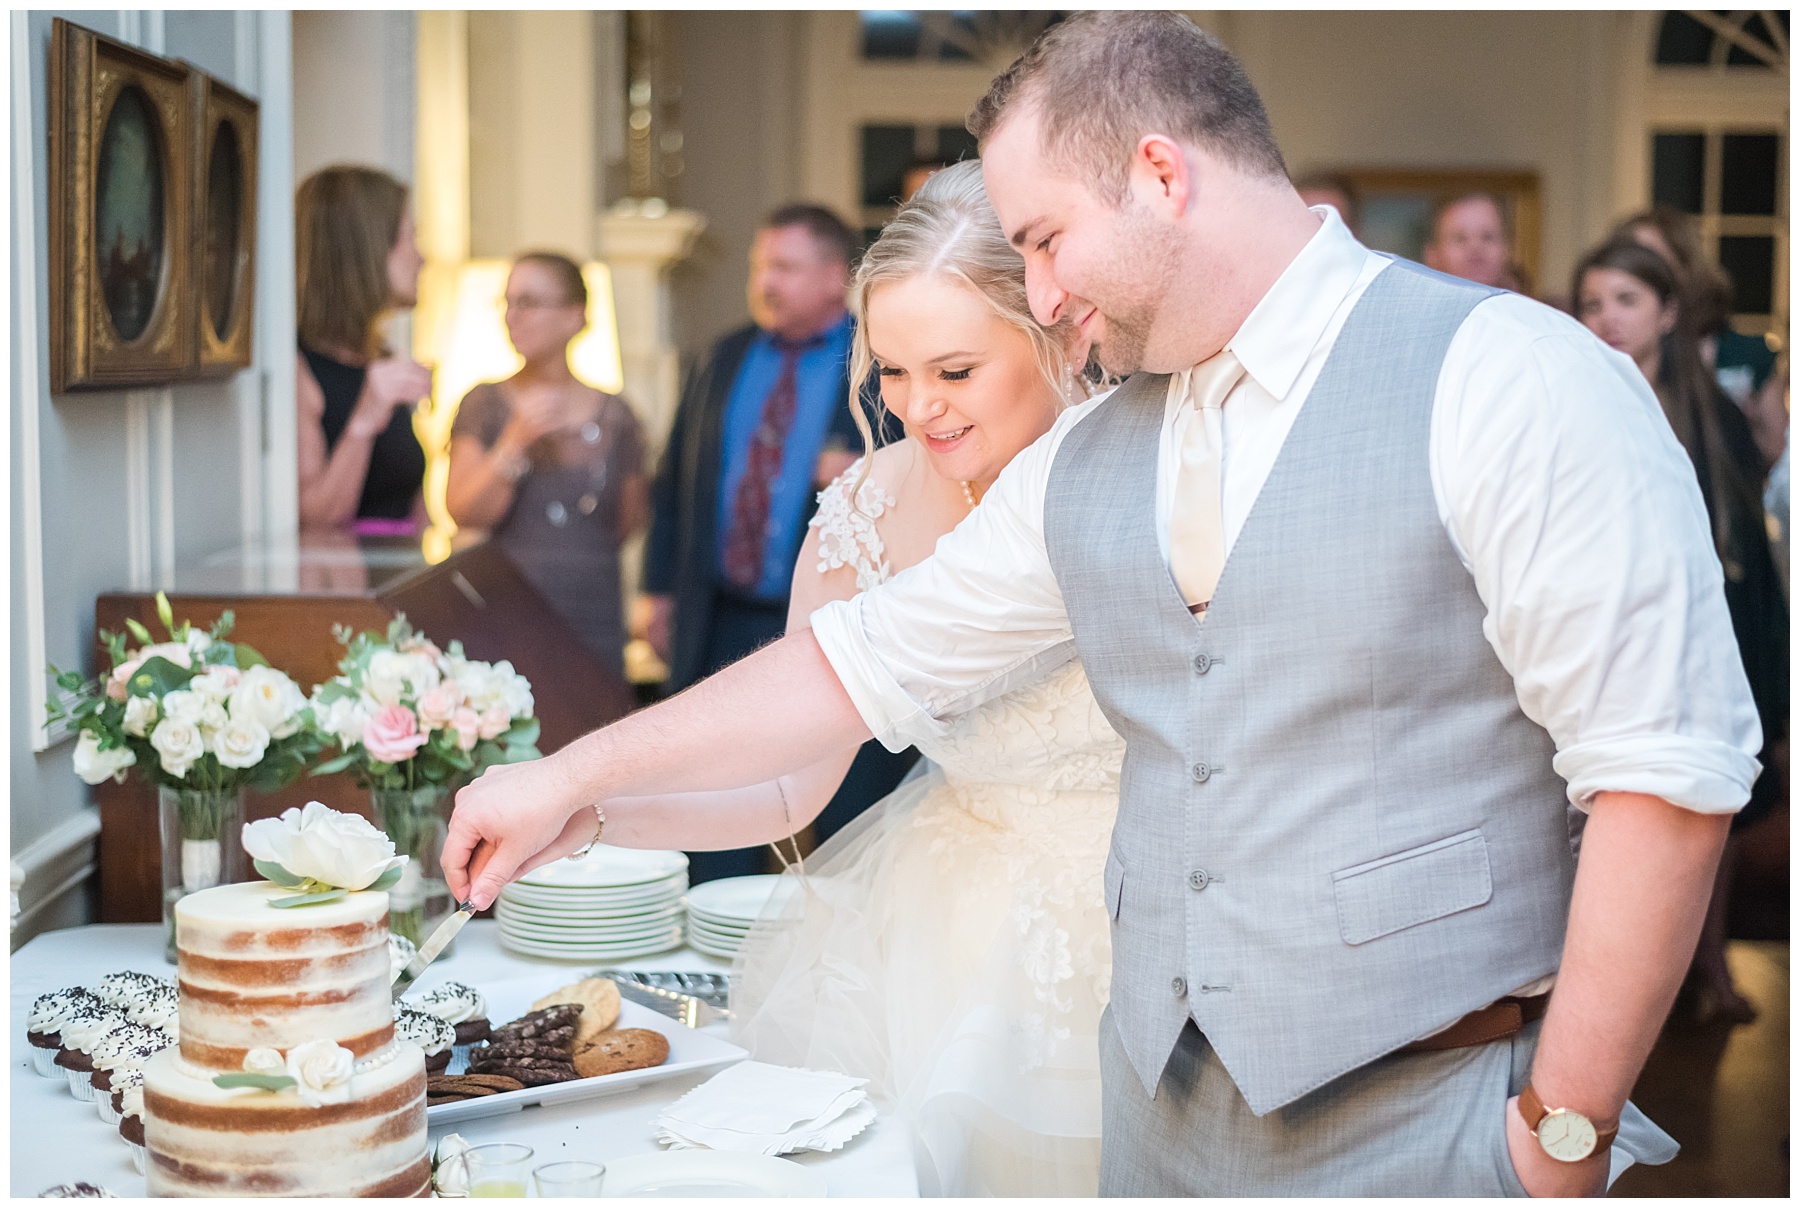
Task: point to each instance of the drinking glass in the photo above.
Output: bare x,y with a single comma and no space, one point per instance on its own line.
497,1171
568,1180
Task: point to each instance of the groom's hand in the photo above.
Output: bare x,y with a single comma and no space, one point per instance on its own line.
1542,1174
518,816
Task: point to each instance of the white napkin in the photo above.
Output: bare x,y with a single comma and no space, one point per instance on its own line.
765,1109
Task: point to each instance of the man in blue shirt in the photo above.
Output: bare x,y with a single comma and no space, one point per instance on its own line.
762,426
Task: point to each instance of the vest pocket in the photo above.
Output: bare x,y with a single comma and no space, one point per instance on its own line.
1393,893
1112,883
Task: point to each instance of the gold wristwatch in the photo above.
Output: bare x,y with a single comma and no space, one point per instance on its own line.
1565,1134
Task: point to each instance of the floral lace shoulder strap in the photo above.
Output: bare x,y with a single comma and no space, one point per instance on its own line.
847,532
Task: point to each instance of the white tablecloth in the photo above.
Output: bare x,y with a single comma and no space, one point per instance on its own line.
56,1139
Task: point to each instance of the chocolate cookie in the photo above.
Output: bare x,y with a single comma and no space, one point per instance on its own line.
533,1071
537,1023
626,1049
489,1053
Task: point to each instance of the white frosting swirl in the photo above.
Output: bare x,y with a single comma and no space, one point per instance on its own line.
424,1029
48,1011
86,1030
454,1003
400,951
132,1044
132,1101
157,1008
127,1076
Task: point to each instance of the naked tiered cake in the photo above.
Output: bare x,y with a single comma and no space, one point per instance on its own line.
256,978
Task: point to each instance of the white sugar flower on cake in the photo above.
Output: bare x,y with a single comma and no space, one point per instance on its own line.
322,854
321,1072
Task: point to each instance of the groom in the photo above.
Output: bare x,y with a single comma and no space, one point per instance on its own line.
1376,572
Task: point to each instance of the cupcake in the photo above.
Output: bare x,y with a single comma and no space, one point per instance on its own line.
463,1008
400,953
43,1027
111,1106
131,1045
122,989
77,1191
434,1035
81,1032
156,1006
131,1125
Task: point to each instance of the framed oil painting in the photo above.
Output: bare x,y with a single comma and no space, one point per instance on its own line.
224,252
1397,204
121,192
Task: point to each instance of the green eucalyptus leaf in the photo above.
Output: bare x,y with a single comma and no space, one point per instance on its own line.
139,632
339,764
524,733
248,657
388,878
308,899
276,873
262,1082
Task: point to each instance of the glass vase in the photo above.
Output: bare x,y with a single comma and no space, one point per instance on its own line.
418,821
202,845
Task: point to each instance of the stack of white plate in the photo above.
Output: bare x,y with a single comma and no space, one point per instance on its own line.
613,904
719,913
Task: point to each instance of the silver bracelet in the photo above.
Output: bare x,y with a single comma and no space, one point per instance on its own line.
599,814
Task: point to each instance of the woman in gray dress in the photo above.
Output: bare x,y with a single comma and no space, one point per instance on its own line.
553,468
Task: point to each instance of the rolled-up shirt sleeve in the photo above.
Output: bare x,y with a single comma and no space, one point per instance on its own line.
1579,516
979,617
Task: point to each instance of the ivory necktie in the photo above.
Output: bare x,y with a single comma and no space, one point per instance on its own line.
1197,525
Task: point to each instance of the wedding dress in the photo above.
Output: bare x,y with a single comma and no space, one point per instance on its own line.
951,945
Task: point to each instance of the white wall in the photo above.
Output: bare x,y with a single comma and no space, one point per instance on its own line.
110,489
354,90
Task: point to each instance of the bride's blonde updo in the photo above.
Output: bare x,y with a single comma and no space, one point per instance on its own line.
949,229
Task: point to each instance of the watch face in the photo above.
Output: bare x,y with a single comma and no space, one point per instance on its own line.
1566,1136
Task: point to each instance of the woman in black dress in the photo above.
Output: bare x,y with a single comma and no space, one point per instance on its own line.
554,469
359,460
1629,296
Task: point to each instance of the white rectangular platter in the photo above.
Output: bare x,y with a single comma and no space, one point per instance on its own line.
688,1051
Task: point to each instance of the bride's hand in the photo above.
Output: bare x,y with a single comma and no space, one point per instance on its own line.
519,816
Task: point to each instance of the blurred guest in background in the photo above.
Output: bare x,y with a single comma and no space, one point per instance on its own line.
1338,192
761,428
1469,239
552,467
917,173
356,262
1629,296
1744,365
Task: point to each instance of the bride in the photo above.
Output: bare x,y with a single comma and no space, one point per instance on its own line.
950,945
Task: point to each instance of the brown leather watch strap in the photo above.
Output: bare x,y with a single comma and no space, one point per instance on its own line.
1532,1108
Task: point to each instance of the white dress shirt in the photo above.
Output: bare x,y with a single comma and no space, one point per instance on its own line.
1560,484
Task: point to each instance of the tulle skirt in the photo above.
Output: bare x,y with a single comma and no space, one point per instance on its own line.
951,947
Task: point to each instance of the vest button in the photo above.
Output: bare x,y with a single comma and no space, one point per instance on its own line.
1201,773
1199,879
1179,987
1203,663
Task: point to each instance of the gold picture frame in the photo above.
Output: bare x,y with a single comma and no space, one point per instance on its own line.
1397,203
121,186
224,245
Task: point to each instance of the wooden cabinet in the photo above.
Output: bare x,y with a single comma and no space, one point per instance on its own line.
286,602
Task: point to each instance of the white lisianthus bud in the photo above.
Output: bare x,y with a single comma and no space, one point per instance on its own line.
241,744
94,765
178,744
140,715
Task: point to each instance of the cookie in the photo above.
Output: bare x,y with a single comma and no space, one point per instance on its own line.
489,1053
541,1072
483,1084
626,1049
598,998
497,1081
537,1023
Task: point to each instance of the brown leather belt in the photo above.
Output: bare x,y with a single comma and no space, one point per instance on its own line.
1496,1021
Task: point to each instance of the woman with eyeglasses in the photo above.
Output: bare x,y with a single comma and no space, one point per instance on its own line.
551,467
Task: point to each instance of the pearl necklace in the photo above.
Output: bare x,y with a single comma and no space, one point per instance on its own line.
969,493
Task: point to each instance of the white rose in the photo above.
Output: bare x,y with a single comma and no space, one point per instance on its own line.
421,671
480,685
452,1177
94,765
241,744
215,683
321,1072
176,652
178,744
212,719
140,715
336,849
343,719
515,690
265,1061
183,705
385,680
268,696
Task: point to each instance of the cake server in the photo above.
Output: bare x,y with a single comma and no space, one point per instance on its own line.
428,951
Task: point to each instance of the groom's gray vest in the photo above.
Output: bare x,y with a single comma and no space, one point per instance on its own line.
1337,832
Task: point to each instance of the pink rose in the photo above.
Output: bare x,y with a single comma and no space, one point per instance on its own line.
468,728
121,676
437,707
495,721
392,734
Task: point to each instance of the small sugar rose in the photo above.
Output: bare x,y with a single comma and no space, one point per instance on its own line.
265,1061
392,735
321,1072
140,715
468,728
241,743
95,765
178,744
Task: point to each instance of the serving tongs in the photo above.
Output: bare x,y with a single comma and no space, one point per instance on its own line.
692,999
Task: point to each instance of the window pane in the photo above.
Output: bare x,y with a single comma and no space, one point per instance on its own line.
1749,173
1749,260
886,150
954,143
1683,40
1678,171
890,34
1738,57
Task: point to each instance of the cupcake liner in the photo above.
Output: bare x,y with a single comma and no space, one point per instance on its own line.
80,1084
137,1155
43,1061
108,1114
